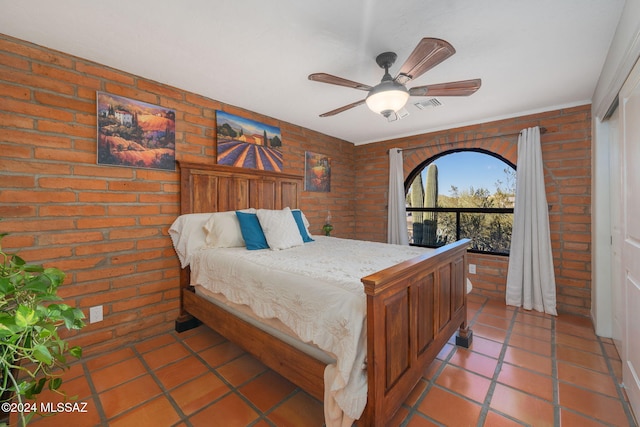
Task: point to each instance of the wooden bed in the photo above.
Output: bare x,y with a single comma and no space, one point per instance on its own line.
413,308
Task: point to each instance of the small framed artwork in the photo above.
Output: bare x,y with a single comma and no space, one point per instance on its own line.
246,143
135,134
317,172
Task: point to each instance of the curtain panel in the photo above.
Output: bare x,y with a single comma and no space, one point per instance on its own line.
397,214
531,278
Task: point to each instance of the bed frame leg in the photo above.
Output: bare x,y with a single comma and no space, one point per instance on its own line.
186,322
464,337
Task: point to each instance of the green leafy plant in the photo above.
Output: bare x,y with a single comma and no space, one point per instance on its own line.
32,353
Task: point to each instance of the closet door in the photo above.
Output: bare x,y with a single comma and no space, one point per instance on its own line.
615,214
630,117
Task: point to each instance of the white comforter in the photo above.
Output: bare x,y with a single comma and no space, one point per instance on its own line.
315,290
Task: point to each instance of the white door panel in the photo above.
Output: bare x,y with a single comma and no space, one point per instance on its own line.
630,115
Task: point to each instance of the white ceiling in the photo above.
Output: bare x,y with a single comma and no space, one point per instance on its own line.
532,55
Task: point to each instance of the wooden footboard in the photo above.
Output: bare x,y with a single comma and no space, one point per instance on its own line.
413,308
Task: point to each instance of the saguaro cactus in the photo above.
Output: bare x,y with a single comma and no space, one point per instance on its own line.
430,219
416,194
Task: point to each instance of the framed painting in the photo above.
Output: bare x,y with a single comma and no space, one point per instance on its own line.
246,143
135,134
317,172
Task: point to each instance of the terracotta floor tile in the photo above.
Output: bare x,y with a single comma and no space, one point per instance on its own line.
572,320
299,410
489,332
525,359
123,397
199,392
592,404
153,343
180,372
522,406
165,354
449,409
582,358
204,339
483,365
574,325
494,419
527,381
487,347
587,378
531,331
267,390
419,420
533,318
241,370
110,358
81,416
569,418
498,308
156,412
530,344
611,351
230,411
116,374
221,354
463,382
495,321
579,343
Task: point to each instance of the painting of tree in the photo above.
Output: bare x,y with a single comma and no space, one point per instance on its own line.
134,133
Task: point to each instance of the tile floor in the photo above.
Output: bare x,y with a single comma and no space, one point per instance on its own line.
523,369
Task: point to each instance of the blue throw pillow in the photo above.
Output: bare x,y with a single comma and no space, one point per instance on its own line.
297,214
251,231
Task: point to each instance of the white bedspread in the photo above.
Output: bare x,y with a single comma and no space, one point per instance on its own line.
315,290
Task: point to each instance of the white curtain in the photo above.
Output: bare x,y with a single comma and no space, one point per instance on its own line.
530,279
397,215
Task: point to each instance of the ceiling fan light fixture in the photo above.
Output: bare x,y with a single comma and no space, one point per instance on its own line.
387,97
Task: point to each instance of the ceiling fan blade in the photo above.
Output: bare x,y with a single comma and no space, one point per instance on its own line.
428,53
341,109
461,88
334,80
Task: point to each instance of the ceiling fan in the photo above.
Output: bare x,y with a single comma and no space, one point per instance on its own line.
391,94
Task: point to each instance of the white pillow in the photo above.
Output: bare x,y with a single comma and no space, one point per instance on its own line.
222,230
188,236
280,228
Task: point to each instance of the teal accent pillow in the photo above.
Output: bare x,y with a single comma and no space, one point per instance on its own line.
251,231
297,215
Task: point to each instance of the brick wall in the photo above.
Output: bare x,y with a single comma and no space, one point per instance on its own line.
106,226
566,153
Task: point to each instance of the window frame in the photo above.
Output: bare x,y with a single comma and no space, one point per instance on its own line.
458,211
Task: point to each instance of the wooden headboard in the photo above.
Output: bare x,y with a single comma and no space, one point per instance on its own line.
218,188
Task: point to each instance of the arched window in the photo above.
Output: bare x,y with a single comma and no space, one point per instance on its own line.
463,193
